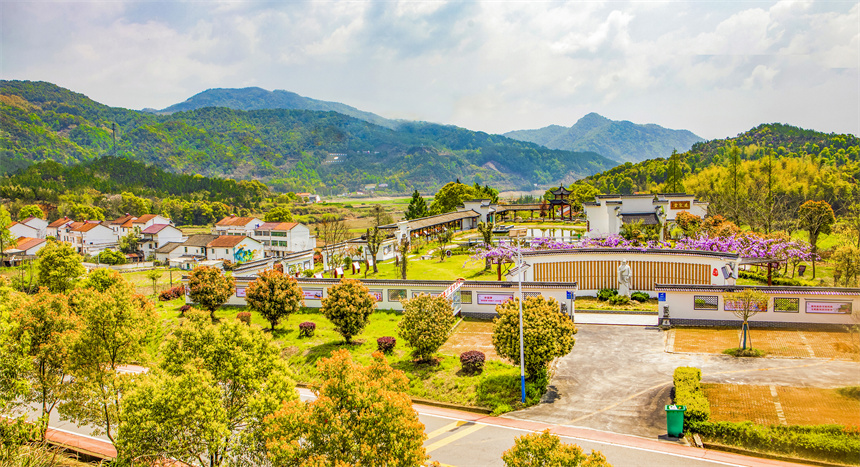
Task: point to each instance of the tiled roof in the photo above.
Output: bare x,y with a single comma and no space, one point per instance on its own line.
144,218
226,241
25,243
59,222
235,221
423,222
168,247
199,240
122,220
647,218
84,226
279,226
155,228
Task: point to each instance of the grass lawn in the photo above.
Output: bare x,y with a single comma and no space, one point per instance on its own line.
592,303
432,269
774,342
800,405
497,388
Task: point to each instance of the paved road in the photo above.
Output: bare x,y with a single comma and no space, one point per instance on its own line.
618,379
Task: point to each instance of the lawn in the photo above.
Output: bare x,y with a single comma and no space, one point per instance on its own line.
497,388
774,342
799,405
432,269
592,303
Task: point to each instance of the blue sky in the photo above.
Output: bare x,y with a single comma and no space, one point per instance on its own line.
715,68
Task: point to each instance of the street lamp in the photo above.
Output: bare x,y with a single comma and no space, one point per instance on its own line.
518,270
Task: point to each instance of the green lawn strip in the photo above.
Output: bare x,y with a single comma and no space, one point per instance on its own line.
592,303
497,388
431,269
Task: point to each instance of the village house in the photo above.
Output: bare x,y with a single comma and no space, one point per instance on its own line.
41,225
142,223
281,238
233,225
168,251
608,213
53,229
157,235
21,249
116,224
17,229
90,237
234,248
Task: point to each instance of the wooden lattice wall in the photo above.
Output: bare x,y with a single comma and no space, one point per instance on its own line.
595,275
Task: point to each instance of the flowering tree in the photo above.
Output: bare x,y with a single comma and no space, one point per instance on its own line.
274,295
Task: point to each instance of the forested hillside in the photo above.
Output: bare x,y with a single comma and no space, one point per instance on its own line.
758,178
290,150
622,141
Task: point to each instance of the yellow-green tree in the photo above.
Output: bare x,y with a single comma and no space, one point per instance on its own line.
426,324
546,450
745,304
210,288
274,295
817,218
337,429
348,305
59,266
547,333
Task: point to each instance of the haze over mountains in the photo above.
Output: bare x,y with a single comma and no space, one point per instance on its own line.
622,141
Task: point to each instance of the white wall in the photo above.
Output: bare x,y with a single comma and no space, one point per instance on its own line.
226,253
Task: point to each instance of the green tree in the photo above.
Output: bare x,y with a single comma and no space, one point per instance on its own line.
153,275
745,304
278,214
846,265
426,324
546,450
46,323
102,279
130,242
450,196
31,210
116,328
547,333
817,218
337,429
111,257
135,205
210,288
59,266
444,237
207,403
348,305
275,296
380,217
374,240
417,207
5,235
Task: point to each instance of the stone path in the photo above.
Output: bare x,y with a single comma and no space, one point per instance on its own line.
618,378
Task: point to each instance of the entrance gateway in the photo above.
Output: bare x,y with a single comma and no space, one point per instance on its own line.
453,293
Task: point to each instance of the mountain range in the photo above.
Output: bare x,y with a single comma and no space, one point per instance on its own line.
622,141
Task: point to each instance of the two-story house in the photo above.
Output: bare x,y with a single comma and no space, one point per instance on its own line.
89,238
281,238
41,225
235,248
233,225
156,235
116,224
142,223
17,229
53,229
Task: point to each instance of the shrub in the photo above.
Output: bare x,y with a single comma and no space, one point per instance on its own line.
244,317
172,293
307,329
426,324
777,280
688,392
605,294
386,344
640,296
348,305
183,309
547,449
472,361
619,300
748,352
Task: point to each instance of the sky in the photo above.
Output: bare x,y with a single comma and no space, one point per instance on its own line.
716,68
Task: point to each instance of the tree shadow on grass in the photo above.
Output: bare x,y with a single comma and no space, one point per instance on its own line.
420,370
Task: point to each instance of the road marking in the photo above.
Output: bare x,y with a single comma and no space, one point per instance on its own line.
609,407
806,344
445,428
450,439
779,413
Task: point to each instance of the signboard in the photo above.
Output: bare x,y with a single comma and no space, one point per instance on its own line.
312,294
828,307
240,291
377,294
571,295
679,205
493,298
661,297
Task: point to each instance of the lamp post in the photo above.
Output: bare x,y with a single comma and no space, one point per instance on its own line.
522,359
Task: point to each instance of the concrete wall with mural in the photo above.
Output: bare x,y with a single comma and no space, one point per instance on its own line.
787,306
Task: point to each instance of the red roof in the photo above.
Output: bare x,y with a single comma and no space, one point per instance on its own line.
279,226
155,228
25,243
59,222
226,241
84,226
235,221
122,220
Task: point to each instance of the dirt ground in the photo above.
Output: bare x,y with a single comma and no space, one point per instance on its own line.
775,342
472,335
799,406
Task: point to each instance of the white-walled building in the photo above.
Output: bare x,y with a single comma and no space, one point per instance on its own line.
53,229
232,225
156,235
89,237
281,238
21,249
168,251
17,229
142,223
116,224
235,248
608,213
41,225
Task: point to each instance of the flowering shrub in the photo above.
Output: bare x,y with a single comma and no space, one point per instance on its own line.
183,309
244,317
386,344
172,293
307,329
472,361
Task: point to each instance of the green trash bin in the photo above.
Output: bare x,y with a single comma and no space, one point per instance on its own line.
675,420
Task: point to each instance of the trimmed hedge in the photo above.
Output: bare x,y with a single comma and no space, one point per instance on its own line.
307,329
385,344
640,296
472,361
172,293
688,392
777,280
605,294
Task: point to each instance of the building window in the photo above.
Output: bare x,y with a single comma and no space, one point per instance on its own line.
466,297
396,294
786,305
227,251
706,302
186,249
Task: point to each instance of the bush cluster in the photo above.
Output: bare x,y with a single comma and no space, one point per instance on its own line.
307,329
605,294
172,293
640,296
244,317
688,392
184,308
386,344
777,280
472,361
426,324
619,300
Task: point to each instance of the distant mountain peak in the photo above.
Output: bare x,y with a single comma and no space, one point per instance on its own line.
623,141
